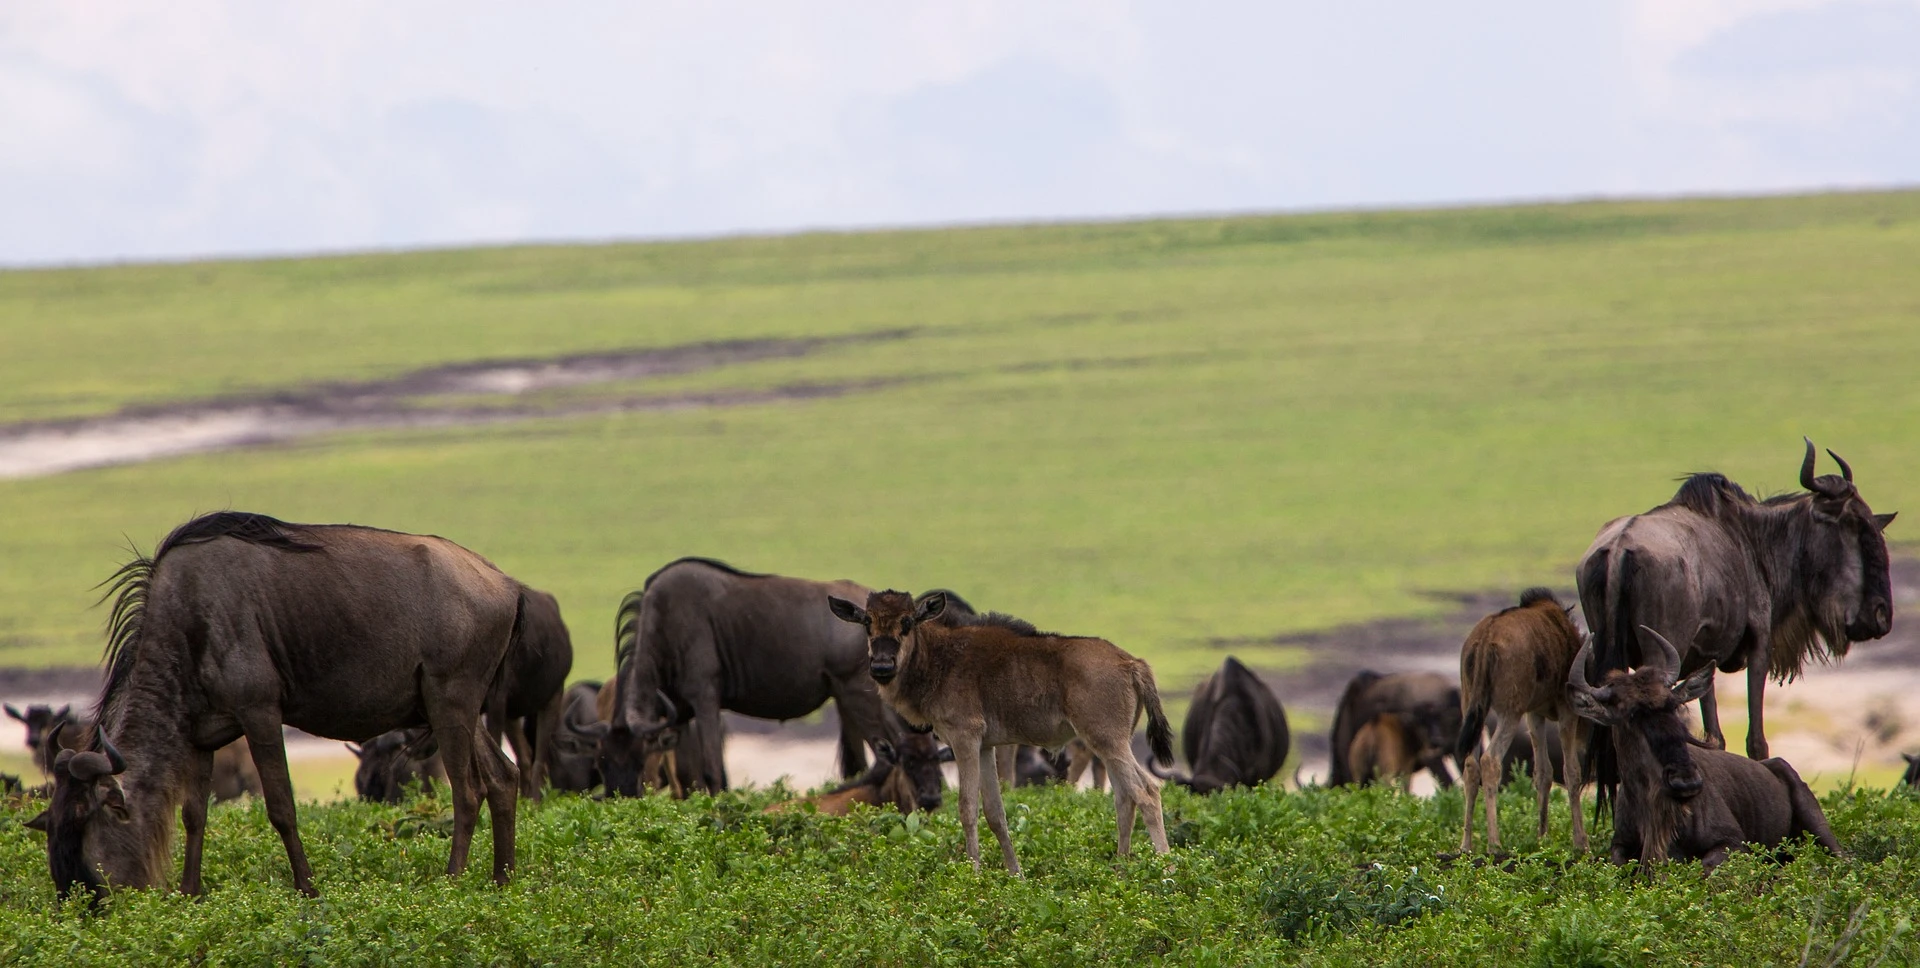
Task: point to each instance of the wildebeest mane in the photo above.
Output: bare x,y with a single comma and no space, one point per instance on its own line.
626,625
1538,593
1001,620
714,563
1707,493
129,585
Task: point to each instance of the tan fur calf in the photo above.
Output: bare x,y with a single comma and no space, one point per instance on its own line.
986,686
1513,669
1384,750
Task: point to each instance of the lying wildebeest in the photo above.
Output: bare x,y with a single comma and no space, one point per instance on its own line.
240,624
40,720
1427,705
1912,777
1384,750
1678,800
1235,733
709,637
392,762
526,701
1741,583
1513,671
907,776
989,685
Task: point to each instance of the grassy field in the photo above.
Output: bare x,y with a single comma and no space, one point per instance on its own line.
1256,877
1169,433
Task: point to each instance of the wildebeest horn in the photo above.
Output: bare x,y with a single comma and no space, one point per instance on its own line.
1577,673
118,762
670,713
1670,655
1806,466
89,766
55,741
1845,471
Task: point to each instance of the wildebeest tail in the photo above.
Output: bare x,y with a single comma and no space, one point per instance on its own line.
1476,695
1159,731
1612,648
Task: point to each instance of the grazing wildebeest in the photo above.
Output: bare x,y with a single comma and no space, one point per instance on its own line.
1513,671
1912,777
989,685
233,772
1384,750
907,776
1235,733
10,784
40,720
392,762
709,637
668,758
1676,800
1741,583
574,764
240,624
1426,703
525,702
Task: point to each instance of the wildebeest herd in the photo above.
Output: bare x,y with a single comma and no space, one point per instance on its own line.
427,658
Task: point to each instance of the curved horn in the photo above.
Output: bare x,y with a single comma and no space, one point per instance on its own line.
89,766
1670,654
670,712
53,741
1806,466
113,756
1845,471
1577,674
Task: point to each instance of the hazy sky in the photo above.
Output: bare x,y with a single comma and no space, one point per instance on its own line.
196,127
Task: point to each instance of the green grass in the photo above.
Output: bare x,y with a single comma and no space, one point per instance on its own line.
1265,876
1168,433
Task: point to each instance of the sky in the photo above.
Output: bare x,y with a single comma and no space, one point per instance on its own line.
134,131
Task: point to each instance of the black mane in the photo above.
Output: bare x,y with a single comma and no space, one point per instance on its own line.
713,563
129,585
1538,593
1707,493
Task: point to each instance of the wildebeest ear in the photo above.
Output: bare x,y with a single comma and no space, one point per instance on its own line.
1911,757
946,754
1587,706
1880,519
847,611
884,748
1694,686
39,821
15,713
930,607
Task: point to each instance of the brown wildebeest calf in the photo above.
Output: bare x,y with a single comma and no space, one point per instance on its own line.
1385,750
906,776
983,686
1513,667
1679,797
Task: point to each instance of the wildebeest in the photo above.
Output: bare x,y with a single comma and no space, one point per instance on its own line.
1742,583
1427,705
239,624
1676,800
709,637
392,762
573,764
40,720
989,685
668,758
907,776
1513,671
526,701
1235,733
1384,750
1912,777
233,772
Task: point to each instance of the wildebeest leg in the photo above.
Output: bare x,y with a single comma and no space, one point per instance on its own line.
545,723
1542,769
1756,700
1710,719
503,795
262,726
523,759
1133,787
966,762
455,735
1470,782
861,721
1807,815
1573,731
997,815
193,816
1505,727
1005,765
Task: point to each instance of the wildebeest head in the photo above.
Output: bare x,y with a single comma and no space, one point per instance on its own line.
1643,706
916,779
624,747
87,799
889,618
1912,778
1847,557
40,719
389,763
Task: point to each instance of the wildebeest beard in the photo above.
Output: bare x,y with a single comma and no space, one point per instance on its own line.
1659,765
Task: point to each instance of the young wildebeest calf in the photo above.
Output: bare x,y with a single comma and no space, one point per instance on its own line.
1678,797
985,686
1385,750
906,776
1511,668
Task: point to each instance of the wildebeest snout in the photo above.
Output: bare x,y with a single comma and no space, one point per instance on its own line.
884,659
1683,784
1874,621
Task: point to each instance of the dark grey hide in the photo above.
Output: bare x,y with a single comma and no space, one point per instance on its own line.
712,637
1677,800
395,763
1740,583
1235,733
1427,703
574,763
239,625
526,701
